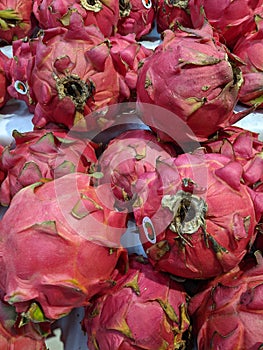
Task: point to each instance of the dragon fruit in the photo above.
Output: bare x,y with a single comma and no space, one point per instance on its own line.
144,310
54,13
16,335
249,49
3,80
126,158
2,171
136,16
231,19
42,155
69,245
200,61
228,313
128,55
18,70
242,146
70,85
194,210
171,12
15,19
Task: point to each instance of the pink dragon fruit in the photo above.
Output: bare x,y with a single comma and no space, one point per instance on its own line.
192,58
54,13
2,171
128,55
144,310
249,49
3,80
171,12
136,16
126,158
69,245
18,70
228,313
242,146
196,211
70,85
231,19
16,335
15,19
42,155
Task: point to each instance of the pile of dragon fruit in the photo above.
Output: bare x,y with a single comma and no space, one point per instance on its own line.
126,134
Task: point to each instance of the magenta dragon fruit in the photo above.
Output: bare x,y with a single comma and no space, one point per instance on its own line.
136,16
3,80
231,19
144,310
70,85
126,158
15,19
243,146
228,313
196,210
16,335
54,13
128,55
2,171
189,57
69,245
18,70
171,12
249,49
42,155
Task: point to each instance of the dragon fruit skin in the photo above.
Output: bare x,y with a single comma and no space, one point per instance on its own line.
145,310
15,19
191,58
192,217
2,171
3,80
17,336
42,155
69,245
18,70
170,12
136,16
228,313
232,20
126,158
249,49
54,13
68,85
127,55
243,146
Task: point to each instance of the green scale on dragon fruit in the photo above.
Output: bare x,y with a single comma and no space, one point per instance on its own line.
15,20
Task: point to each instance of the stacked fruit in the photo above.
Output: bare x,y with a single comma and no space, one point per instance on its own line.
125,134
